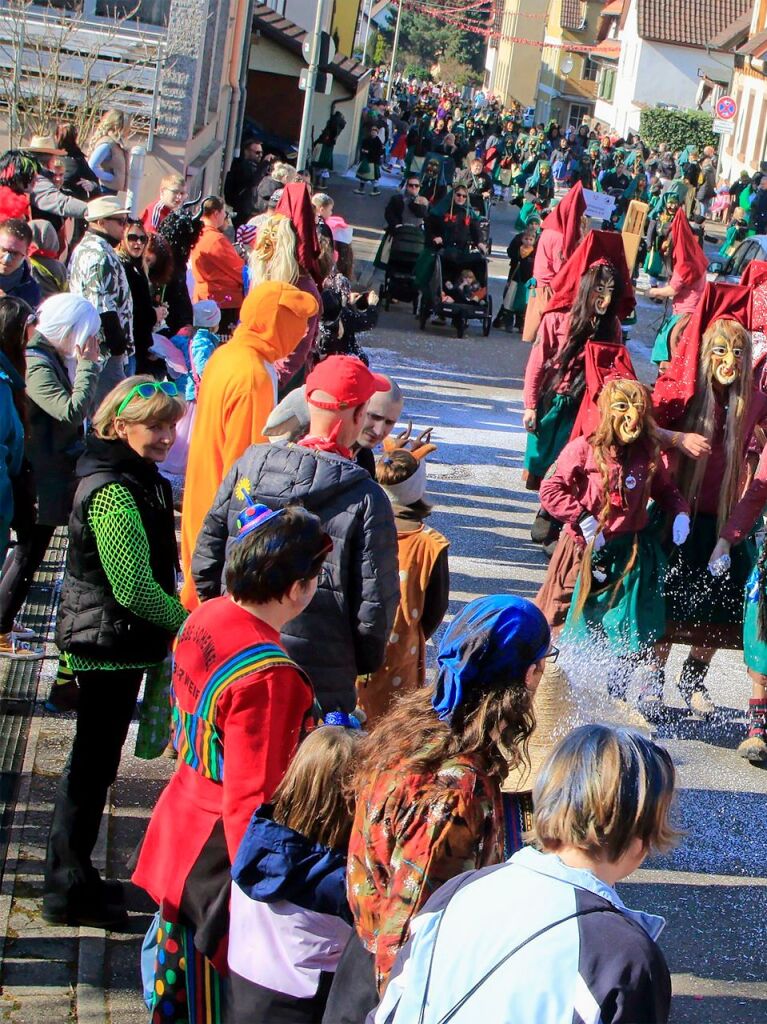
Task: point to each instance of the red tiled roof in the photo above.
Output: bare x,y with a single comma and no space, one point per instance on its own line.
572,14
609,48
612,10
756,46
688,22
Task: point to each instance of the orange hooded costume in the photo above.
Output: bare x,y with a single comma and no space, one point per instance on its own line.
237,394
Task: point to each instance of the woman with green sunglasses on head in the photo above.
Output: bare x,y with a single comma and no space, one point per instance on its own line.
117,617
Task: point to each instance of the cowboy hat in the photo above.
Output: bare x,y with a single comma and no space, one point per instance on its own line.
44,144
104,207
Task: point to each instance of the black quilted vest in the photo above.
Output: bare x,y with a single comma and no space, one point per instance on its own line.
90,622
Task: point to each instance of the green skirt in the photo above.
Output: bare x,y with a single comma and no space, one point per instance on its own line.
699,600
754,647
367,171
661,351
325,157
423,270
631,618
552,434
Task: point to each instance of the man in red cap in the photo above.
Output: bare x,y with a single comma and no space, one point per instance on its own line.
344,631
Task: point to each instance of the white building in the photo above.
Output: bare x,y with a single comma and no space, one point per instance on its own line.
661,51
746,148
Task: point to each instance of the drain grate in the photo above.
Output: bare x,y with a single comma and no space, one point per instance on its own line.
19,682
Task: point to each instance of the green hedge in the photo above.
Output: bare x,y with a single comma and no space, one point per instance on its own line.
678,128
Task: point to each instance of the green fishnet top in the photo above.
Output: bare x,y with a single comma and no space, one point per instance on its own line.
124,552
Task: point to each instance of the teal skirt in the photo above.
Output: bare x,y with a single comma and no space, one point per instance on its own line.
701,608
754,645
632,617
552,434
661,351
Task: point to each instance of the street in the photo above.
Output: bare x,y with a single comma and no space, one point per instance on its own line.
710,890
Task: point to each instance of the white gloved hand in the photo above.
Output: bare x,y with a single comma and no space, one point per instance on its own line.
680,531
589,527
720,566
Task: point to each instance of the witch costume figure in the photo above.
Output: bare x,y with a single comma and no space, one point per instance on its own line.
605,580
579,342
707,393
560,235
687,265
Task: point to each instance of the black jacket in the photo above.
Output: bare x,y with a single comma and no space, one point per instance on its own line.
240,186
344,631
90,622
144,318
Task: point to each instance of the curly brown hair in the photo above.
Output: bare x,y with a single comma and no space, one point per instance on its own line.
492,724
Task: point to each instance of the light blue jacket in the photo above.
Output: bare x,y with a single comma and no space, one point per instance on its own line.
197,352
582,956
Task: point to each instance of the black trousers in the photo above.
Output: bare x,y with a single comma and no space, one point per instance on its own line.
253,1004
353,993
20,568
107,702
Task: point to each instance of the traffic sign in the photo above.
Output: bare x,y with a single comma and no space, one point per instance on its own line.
326,53
720,127
726,108
324,81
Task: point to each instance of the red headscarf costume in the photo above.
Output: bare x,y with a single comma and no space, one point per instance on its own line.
295,203
566,219
602,358
690,262
676,385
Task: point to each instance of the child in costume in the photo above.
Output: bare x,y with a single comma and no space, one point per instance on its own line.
521,253
707,393
689,264
737,230
606,576
658,231
289,918
592,294
465,289
561,232
424,576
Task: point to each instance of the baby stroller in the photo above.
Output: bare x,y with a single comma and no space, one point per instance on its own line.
407,242
435,301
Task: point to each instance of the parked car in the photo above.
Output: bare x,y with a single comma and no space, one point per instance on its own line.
528,117
728,269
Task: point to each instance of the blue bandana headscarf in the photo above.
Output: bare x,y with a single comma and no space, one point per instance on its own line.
500,636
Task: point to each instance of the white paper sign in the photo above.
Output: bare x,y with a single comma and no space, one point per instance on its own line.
598,204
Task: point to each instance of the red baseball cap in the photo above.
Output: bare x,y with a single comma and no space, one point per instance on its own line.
347,379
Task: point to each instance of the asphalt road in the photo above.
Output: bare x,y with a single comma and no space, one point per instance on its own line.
710,889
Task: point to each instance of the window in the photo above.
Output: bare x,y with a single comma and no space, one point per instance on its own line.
577,113
150,12
590,70
607,84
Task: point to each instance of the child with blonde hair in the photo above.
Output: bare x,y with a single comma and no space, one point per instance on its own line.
289,917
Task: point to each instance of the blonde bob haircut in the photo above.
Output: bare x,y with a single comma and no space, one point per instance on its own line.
601,788
160,408
313,798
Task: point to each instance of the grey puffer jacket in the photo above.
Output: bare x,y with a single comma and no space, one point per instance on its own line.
344,631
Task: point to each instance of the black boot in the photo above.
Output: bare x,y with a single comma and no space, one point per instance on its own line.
651,696
692,687
499,320
545,528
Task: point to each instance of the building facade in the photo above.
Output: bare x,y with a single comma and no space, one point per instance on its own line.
176,68
746,148
661,53
567,89
512,68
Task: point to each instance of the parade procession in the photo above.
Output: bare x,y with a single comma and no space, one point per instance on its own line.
383,511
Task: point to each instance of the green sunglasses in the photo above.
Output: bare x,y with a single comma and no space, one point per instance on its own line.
146,390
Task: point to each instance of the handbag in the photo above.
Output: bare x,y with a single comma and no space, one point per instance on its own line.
154,721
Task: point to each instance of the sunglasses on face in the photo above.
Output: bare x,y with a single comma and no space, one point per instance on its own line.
137,238
118,220
414,184
147,389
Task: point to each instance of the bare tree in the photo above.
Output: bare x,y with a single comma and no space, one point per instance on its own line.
58,65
